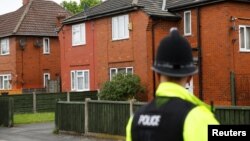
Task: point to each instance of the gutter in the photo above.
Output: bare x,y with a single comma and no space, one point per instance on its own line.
101,15
192,5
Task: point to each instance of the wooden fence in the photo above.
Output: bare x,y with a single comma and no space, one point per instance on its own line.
27,103
109,117
6,112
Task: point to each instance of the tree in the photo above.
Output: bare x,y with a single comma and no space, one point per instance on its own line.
74,7
121,87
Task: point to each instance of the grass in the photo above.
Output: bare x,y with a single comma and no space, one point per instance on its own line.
33,118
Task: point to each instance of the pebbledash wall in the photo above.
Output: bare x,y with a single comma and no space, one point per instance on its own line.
220,53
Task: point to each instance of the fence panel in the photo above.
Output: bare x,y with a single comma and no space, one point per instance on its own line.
70,116
108,117
6,112
81,96
47,102
233,115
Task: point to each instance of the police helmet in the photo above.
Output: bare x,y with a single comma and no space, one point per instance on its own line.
174,56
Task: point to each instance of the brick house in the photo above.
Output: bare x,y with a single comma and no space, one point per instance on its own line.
122,36
29,49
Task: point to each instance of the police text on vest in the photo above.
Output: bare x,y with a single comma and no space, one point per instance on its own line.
149,120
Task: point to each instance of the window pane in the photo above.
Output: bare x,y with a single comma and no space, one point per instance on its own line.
187,23
112,73
115,28
129,70
73,80
80,82
76,34
121,26
121,70
5,46
1,82
242,38
126,26
86,80
248,38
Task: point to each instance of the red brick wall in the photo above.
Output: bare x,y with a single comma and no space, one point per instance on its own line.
27,66
32,63
130,52
76,57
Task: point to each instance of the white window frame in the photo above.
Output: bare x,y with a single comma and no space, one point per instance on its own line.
44,78
245,38
74,82
3,79
185,23
82,34
46,47
118,25
116,71
7,45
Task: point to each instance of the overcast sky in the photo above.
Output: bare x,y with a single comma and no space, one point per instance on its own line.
7,6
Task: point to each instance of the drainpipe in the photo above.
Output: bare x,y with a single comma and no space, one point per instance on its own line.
199,54
153,53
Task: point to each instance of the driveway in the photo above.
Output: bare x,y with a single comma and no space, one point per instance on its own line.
39,132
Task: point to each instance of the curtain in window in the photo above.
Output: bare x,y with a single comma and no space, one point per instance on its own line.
242,38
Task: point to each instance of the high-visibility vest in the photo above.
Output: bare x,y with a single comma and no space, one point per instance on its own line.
153,123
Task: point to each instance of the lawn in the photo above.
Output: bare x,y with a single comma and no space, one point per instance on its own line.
33,118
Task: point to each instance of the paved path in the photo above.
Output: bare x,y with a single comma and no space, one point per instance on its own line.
39,132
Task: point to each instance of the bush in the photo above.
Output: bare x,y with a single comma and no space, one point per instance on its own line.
121,87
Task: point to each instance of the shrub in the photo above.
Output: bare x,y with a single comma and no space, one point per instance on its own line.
121,87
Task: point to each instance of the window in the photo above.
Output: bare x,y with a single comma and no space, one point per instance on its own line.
244,36
46,78
5,82
80,80
46,46
187,23
5,49
114,71
78,34
120,27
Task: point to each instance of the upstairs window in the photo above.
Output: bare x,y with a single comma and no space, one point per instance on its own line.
80,80
46,46
5,48
114,71
244,36
187,23
78,35
5,81
120,27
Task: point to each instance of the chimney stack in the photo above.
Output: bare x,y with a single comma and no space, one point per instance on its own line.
25,2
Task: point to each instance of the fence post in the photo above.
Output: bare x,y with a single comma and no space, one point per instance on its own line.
34,102
68,97
86,116
131,103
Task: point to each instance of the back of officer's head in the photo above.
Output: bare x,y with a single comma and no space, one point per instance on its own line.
174,57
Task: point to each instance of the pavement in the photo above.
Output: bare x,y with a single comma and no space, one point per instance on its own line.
40,132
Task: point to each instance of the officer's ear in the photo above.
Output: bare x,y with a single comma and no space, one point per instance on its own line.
189,78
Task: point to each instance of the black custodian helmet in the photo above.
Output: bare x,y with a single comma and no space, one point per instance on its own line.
174,56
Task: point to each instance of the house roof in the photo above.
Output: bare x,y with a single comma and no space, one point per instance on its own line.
184,4
112,7
36,18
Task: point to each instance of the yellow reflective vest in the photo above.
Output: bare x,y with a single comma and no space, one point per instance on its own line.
196,123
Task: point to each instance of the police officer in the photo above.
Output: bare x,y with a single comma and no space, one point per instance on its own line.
174,114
